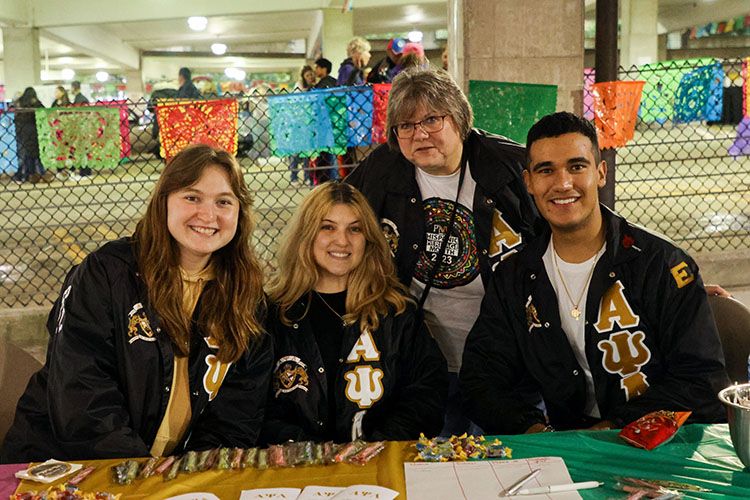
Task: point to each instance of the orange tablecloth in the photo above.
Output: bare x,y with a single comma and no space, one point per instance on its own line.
386,469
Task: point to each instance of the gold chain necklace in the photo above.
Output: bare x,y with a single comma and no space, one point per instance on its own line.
328,305
575,312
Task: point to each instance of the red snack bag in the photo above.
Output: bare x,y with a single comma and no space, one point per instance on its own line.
654,429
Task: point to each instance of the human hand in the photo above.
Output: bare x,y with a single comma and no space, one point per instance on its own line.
718,291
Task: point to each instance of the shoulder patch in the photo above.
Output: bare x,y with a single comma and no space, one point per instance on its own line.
682,274
390,231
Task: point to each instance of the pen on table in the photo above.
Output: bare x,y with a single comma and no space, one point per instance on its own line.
559,487
518,484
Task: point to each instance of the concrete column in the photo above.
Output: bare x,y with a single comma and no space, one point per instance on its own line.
134,85
21,60
338,30
535,41
639,41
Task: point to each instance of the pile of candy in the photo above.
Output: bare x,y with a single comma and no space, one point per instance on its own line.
63,493
459,448
286,455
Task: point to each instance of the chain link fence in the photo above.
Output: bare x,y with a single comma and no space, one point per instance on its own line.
686,172
676,178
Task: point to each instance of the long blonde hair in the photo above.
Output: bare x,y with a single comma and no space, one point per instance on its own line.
372,288
231,304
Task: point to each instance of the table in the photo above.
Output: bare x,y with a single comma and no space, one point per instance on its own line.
698,454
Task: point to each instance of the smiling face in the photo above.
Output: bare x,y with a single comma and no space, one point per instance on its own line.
202,218
437,153
564,179
338,248
309,77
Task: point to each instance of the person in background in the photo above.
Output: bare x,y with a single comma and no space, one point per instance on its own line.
323,74
305,83
27,141
78,97
61,98
358,55
354,360
156,341
187,89
382,72
324,159
434,159
444,58
609,321
210,91
412,57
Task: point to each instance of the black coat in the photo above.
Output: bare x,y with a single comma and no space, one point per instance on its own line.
651,341
505,216
104,388
392,389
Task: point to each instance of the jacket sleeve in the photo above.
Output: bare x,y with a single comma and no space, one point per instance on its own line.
235,415
492,368
87,409
423,386
689,347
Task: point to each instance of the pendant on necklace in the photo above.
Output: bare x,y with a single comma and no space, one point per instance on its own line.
575,313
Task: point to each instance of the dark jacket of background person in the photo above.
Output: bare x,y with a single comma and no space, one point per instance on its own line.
350,74
27,139
114,406
518,337
80,99
326,82
188,91
387,179
415,382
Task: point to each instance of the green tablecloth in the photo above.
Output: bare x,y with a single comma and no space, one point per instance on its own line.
698,454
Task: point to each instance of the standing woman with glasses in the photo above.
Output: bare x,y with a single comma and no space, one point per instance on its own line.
353,359
439,176
156,345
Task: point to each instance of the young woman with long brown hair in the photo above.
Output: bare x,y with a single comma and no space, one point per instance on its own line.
353,359
156,344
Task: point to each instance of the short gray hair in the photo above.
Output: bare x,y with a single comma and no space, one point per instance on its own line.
435,90
357,45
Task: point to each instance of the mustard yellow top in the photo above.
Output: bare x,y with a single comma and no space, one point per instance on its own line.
177,417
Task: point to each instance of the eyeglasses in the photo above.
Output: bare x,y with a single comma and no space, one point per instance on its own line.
431,124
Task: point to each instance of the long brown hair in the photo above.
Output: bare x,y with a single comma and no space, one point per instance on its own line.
231,304
372,288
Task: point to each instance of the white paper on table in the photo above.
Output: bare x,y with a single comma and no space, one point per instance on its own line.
270,493
317,492
195,496
360,491
484,480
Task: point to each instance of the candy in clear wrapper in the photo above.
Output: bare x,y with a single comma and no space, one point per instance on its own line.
62,492
166,464
202,458
276,456
237,458
223,461
190,463
81,475
148,468
262,459
174,470
348,451
211,460
368,452
249,459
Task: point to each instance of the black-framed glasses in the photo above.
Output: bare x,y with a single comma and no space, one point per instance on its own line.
431,124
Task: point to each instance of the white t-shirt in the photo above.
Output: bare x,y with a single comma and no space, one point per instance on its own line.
577,278
453,303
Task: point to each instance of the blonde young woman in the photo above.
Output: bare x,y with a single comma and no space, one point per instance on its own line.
352,358
156,345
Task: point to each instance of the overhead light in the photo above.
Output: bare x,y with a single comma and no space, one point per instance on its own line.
67,74
415,36
235,74
102,76
45,75
65,60
197,23
218,48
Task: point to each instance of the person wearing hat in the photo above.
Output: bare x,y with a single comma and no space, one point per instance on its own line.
383,70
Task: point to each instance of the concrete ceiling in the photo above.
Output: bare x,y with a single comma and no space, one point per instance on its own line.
288,32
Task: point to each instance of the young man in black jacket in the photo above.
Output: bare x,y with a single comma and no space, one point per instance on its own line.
609,320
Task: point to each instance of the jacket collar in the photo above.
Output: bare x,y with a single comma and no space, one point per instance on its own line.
485,171
622,244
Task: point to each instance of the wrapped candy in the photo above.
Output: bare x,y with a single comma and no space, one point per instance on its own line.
368,452
223,461
202,458
236,458
148,468
175,469
348,451
495,449
276,456
262,459
654,429
250,456
166,464
190,462
212,458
